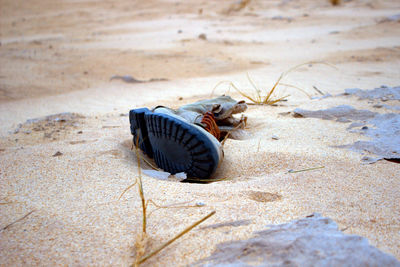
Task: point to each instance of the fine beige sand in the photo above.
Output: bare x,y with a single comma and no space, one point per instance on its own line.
58,56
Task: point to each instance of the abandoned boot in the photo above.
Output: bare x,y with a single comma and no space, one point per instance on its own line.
221,110
176,144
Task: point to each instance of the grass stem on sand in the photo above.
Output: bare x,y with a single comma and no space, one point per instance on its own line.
140,186
304,170
145,258
18,220
143,239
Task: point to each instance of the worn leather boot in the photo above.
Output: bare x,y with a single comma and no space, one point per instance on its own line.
186,139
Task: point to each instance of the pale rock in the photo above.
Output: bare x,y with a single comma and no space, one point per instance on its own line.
180,176
312,241
157,174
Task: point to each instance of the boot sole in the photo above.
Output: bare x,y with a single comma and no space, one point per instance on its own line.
175,145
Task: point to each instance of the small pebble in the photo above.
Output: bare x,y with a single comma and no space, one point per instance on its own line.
200,204
57,154
203,36
180,176
274,137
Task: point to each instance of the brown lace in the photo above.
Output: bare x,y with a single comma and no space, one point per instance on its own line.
211,125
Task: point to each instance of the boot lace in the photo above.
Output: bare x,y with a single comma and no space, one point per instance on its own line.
211,125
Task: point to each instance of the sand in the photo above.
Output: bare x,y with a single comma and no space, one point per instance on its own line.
59,57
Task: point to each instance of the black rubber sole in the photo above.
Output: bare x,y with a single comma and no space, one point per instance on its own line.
176,146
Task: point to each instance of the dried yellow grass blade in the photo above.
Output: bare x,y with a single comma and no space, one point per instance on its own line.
175,238
218,84
255,87
271,102
126,189
140,185
258,99
273,89
298,88
243,94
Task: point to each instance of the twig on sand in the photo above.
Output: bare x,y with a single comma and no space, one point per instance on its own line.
6,203
180,205
14,222
145,258
242,124
304,170
126,189
151,164
318,91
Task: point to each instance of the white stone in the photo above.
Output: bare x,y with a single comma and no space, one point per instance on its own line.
157,174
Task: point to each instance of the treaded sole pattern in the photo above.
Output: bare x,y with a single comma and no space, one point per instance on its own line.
176,146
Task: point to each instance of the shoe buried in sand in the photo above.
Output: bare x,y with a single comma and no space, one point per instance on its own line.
176,145
181,140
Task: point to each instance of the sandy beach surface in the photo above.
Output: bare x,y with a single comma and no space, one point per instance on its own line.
60,177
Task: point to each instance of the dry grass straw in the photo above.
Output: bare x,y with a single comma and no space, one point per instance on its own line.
140,186
142,240
18,220
242,124
267,99
305,170
180,205
141,244
7,203
186,230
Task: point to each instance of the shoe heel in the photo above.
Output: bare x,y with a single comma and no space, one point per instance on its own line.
138,126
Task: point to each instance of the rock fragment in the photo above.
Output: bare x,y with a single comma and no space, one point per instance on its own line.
311,241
